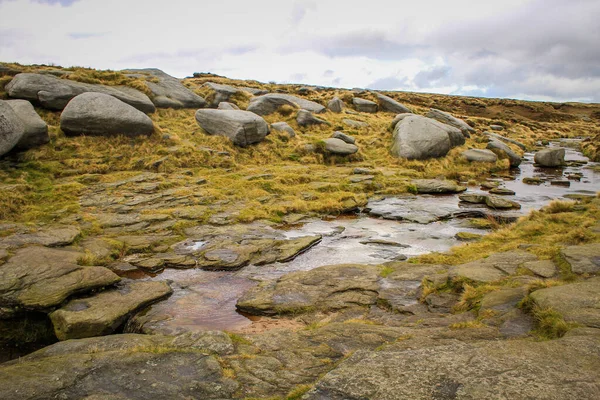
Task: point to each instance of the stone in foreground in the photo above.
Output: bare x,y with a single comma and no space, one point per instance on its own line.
419,138
577,302
550,158
106,311
243,128
99,114
339,147
37,278
584,259
36,130
11,128
335,105
54,94
448,119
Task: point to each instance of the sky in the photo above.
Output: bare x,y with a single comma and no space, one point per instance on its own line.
524,49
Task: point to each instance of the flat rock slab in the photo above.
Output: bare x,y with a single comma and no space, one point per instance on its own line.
388,104
493,268
339,147
543,268
451,120
516,369
584,259
577,302
364,105
480,155
325,288
106,311
269,103
431,186
51,237
54,93
37,278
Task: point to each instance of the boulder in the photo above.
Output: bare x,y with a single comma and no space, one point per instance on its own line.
390,105
283,127
344,137
506,140
550,158
243,128
325,288
480,155
305,118
428,186
576,302
168,91
254,91
37,278
36,130
584,259
496,202
399,118
335,105
502,191
51,237
339,147
418,138
103,313
354,124
496,127
364,105
223,105
448,119
543,268
54,93
222,93
12,128
103,115
503,151
269,103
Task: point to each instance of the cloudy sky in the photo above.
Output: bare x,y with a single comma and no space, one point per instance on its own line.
527,49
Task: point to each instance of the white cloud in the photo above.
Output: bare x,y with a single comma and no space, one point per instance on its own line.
513,48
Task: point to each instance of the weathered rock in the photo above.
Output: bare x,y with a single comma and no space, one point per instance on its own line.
496,127
51,237
254,91
496,202
243,128
325,288
417,137
12,128
503,151
36,130
543,268
550,370
37,278
550,158
437,186
53,93
269,103
335,105
480,155
502,191
506,140
339,147
388,104
169,92
344,137
227,106
576,302
584,259
103,115
283,127
364,105
103,313
473,198
493,268
354,124
305,118
119,367
222,93
398,118
448,119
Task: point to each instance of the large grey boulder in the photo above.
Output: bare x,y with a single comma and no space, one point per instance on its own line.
550,158
283,127
364,105
168,91
418,138
505,140
305,118
446,118
54,93
335,105
339,147
390,105
242,127
103,115
11,128
503,151
269,103
398,118
480,155
221,92
344,137
36,130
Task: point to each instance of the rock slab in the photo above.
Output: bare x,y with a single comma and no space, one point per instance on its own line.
243,128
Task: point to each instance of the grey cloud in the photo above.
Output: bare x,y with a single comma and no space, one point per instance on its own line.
200,54
429,77
329,73
299,11
64,3
84,35
389,83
